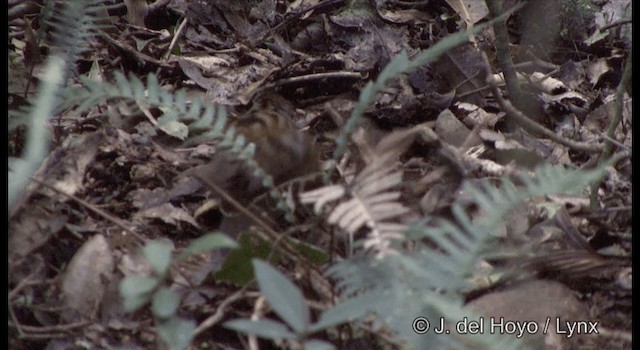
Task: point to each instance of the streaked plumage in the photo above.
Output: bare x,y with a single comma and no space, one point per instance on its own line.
281,150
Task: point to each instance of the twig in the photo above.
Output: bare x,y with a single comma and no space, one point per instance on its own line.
269,234
618,107
15,321
323,287
282,25
530,124
47,336
615,24
315,76
614,141
139,55
611,128
502,53
540,63
48,332
94,209
420,3
260,308
176,36
25,282
56,328
220,311
158,5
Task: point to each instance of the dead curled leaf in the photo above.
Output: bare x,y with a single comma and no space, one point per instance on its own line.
225,79
83,280
308,51
167,213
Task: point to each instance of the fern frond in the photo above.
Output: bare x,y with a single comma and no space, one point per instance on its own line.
195,114
463,242
372,204
193,121
75,24
21,170
428,282
397,66
46,12
498,201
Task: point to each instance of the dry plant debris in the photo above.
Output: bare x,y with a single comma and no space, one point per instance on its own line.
119,173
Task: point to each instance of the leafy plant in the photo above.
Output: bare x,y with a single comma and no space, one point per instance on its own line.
400,64
69,42
21,169
373,204
190,120
138,291
401,286
393,286
289,304
428,282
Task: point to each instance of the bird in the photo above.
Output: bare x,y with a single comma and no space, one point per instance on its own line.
281,150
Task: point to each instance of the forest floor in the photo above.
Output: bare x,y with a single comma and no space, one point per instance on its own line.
113,176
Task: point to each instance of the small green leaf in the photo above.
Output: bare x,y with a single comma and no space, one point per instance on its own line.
138,89
179,100
396,66
158,254
136,291
312,253
37,136
285,298
206,119
229,136
238,144
153,88
135,302
168,114
137,285
207,242
347,311
122,84
248,151
176,129
195,108
596,36
550,207
237,268
176,332
165,302
262,328
221,120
